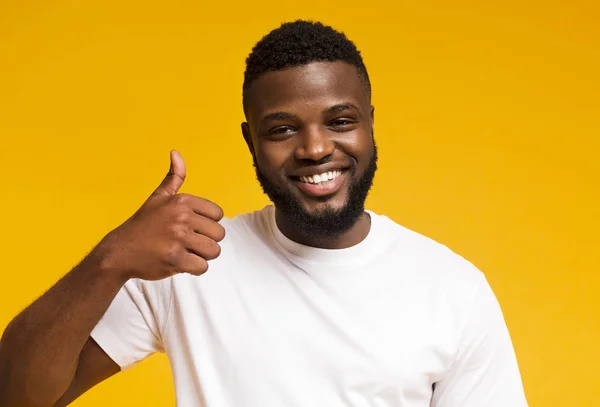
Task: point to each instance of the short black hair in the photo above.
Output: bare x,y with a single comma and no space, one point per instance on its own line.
299,43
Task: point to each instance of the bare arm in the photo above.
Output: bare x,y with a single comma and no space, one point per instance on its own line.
41,347
94,367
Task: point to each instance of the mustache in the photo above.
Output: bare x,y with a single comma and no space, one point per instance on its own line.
350,165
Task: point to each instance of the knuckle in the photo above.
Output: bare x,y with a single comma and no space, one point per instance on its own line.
178,230
173,254
181,199
182,217
180,233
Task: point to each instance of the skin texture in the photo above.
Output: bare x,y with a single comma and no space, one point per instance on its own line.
47,357
304,120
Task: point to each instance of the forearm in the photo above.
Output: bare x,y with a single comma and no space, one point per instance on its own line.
40,348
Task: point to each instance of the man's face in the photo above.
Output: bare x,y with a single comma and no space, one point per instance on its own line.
310,131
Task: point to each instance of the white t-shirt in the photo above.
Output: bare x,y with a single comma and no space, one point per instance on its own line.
395,321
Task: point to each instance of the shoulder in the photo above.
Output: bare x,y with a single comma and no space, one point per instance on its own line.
438,277
427,257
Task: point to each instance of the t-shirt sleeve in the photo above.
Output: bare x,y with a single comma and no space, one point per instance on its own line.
131,328
485,372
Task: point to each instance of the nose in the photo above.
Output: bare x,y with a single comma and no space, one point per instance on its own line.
315,144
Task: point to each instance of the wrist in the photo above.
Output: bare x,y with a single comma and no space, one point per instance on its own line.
103,261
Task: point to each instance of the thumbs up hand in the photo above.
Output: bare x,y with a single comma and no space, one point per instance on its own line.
171,233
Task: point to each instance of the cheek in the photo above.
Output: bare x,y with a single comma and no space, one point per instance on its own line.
270,159
359,146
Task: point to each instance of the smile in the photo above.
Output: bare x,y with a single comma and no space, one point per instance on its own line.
318,185
320,178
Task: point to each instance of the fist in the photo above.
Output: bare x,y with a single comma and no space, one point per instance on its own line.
171,233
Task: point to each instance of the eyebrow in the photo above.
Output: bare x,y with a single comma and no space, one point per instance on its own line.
341,107
278,116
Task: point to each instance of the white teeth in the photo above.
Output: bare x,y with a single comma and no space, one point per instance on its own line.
318,178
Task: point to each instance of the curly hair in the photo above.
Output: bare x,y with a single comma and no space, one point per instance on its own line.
299,43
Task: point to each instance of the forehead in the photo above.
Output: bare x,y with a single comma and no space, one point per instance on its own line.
313,86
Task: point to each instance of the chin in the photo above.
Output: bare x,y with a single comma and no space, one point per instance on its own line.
335,200
325,205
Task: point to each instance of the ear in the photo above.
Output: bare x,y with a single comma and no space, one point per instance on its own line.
247,137
373,121
372,115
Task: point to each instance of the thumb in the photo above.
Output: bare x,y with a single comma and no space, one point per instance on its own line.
174,178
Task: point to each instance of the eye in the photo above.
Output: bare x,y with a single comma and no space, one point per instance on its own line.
343,123
281,130
280,133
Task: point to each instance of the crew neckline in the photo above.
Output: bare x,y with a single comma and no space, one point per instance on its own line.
307,257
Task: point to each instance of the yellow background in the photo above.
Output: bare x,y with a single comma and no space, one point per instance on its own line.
487,117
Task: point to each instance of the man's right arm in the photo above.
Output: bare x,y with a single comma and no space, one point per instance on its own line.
41,348
47,356
94,366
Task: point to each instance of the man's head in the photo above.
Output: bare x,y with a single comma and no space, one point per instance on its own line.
307,101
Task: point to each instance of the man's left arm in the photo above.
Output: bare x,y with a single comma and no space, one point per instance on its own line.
485,372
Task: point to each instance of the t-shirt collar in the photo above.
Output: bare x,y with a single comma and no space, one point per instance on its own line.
307,257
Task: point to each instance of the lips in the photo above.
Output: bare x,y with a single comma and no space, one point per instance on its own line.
323,184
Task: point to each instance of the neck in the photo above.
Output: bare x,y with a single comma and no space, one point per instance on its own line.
353,236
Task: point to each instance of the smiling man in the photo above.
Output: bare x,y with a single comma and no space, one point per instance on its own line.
310,132
312,301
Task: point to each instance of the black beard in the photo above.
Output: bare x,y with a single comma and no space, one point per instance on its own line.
328,222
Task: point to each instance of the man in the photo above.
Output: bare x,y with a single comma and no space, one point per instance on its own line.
310,302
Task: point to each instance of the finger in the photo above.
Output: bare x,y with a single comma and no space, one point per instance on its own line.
200,206
207,208
207,227
191,263
202,246
173,181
